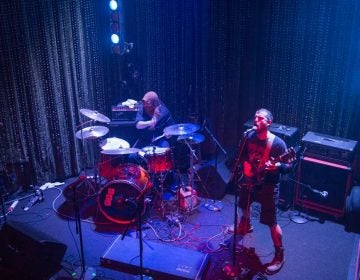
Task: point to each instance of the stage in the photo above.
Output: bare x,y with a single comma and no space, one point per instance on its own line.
178,245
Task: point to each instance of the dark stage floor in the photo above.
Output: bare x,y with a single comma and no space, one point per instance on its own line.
314,250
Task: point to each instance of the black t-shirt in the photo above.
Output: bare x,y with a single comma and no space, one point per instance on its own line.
253,153
146,135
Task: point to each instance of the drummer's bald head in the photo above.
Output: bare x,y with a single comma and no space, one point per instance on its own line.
152,98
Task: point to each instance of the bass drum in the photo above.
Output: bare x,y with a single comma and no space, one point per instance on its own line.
118,199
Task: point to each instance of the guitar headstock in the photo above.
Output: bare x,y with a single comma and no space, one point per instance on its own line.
289,156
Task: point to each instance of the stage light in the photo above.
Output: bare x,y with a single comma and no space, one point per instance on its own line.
115,38
113,5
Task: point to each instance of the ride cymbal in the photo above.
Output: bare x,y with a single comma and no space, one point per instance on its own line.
181,129
95,115
194,138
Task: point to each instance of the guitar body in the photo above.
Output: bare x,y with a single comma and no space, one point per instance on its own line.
259,171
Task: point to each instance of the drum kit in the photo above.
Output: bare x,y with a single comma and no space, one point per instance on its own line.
127,182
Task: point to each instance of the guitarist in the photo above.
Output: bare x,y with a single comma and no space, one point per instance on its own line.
260,181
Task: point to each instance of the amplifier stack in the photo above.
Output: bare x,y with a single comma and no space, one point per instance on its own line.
324,174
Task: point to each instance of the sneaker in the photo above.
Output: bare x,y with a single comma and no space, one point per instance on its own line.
276,264
242,228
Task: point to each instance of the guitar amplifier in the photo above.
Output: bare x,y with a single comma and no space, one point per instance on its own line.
328,147
124,113
289,134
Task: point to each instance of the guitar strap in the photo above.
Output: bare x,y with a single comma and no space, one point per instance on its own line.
269,143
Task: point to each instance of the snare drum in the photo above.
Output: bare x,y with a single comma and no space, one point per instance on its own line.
158,159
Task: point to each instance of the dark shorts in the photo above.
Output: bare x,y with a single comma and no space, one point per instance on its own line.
267,196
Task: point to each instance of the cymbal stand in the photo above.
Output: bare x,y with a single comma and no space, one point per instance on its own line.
217,145
77,213
192,171
89,186
161,178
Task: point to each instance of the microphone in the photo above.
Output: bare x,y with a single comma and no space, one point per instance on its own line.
37,198
12,206
254,128
323,194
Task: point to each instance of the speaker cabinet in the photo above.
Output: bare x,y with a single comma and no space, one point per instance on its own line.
211,184
26,253
322,185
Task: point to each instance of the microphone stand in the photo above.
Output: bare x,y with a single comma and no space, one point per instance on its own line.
77,209
139,203
233,270
217,145
79,232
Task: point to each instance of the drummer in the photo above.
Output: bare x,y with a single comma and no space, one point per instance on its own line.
151,120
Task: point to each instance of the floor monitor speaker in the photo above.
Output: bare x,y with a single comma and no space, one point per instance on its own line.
26,253
211,184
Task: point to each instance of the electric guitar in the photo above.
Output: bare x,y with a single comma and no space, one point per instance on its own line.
259,170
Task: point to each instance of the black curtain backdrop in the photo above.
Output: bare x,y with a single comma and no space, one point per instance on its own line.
214,60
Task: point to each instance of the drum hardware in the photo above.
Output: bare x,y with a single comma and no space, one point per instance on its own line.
181,129
159,162
118,199
114,143
188,140
112,161
95,115
192,139
91,132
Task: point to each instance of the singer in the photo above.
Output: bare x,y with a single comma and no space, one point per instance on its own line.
259,181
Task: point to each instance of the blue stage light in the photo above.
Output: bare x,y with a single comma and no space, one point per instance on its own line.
115,38
113,5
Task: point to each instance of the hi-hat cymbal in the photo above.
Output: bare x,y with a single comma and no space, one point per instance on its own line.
92,132
181,129
194,138
121,151
95,115
114,143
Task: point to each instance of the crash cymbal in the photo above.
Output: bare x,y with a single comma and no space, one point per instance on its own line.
121,151
194,138
181,129
95,115
92,132
114,143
